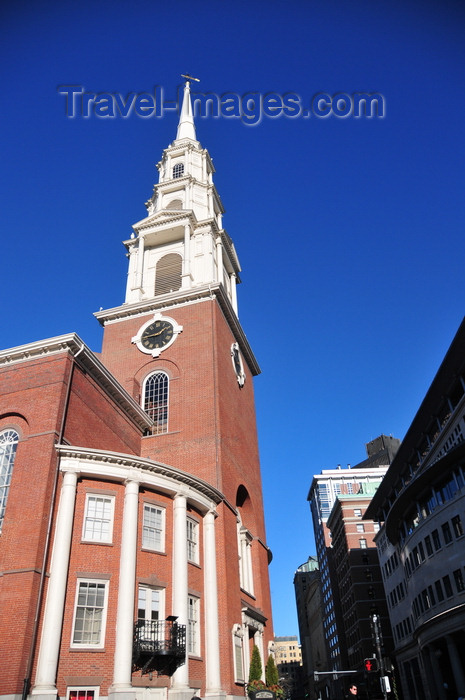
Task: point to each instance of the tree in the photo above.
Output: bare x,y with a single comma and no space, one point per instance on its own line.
255,671
271,672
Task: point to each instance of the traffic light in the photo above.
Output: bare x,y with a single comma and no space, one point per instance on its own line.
371,665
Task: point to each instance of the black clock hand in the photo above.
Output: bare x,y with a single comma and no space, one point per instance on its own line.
152,335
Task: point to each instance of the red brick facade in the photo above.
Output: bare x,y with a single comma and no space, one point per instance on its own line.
85,442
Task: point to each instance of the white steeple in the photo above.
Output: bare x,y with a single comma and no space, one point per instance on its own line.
186,128
181,248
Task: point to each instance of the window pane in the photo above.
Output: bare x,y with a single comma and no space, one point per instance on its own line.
8,444
99,515
156,401
152,528
89,613
192,626
192,536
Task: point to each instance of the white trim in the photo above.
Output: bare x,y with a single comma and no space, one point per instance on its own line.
161,601
160,426
193,625
162,510
137,339
238,653
101,643
192,543
238,365
108,539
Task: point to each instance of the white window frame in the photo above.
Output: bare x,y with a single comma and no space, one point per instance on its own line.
9,439
158,410
193,625
238,654
96,537
360,527
245,540
82,688
192,527
145,622
145,544
101,643
363,543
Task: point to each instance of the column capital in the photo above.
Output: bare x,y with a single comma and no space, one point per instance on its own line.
133,477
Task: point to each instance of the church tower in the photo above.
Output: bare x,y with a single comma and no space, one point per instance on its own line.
133,556
178,348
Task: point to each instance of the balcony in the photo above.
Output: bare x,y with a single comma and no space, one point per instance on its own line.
159,645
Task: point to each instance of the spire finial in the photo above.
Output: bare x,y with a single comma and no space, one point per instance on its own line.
186,128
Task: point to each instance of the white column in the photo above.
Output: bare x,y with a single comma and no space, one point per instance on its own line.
140,263
212,643
258,640
186,277
204,167
126,590
53,614
180,589
246,649
132,270
233,279
219,259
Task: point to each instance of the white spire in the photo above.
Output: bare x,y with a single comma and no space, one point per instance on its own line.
186,128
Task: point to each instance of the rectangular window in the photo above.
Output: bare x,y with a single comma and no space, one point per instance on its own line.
153,528
193,632
457,526
447,586
436,540
238,658
192,540
446,533
90,613
82,694
98,519
421,551
439,593
357,512
459,582
150,609
431,595
428,545
360,527
150,604
363,543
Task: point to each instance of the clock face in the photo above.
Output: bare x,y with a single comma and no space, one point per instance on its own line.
237,364
157,335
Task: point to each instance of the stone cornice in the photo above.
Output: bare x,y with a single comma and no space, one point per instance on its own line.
161,219
94,462
185,296
85,358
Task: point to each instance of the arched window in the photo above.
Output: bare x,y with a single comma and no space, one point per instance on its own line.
168,274
178,170
8,444
156,401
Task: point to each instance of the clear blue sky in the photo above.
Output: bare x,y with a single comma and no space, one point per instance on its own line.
350,232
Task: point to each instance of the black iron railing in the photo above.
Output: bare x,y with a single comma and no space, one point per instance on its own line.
159,645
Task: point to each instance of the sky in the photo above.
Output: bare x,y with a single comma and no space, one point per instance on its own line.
349,230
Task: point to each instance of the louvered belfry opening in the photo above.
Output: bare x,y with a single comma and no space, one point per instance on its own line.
168,274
